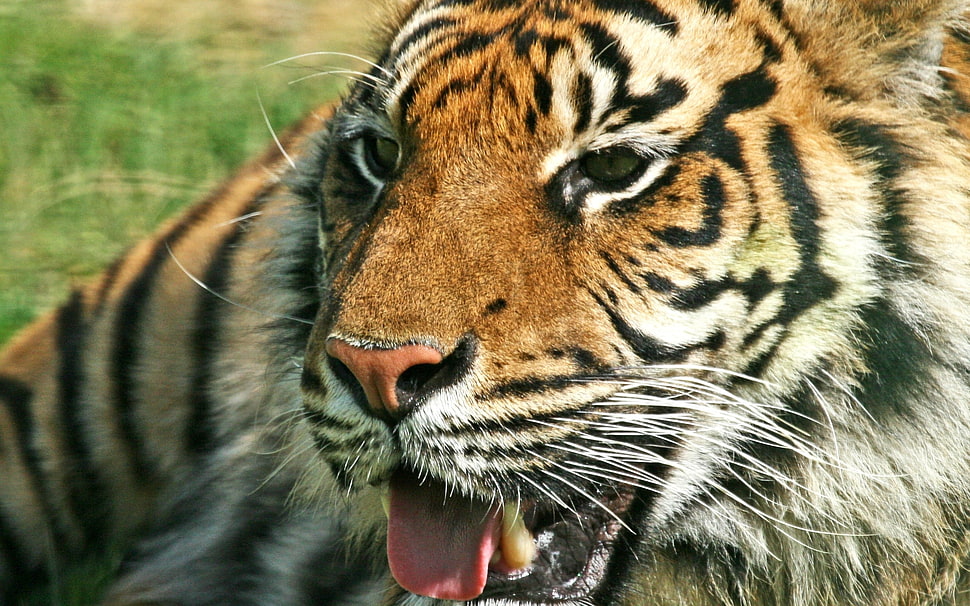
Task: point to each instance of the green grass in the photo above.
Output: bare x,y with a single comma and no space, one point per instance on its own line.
106,129
104,132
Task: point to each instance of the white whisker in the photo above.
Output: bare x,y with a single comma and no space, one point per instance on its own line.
225,299
356,76
328,54
272,131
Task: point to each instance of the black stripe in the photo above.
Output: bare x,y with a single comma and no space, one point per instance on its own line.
531,120
810,284
586,360
501,5
89,496
524,41
323,443
669,93
364,92
896,355
704,292
626,206
542,93
128,329
644,346
127,354
312,382
626,560
759,331
897,359
465,45
406,99
745,92
776,7
17,397
874,143
712,191
640,10
451,3
758,286
618,271
500,82
527,387
322,419
496,306
456,87
960,34
526,424
348,571
527,39
770,47
607,53
583,102
658,283
14,568
420,33
205,344
302,279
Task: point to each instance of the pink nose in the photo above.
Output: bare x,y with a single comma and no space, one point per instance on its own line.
379,371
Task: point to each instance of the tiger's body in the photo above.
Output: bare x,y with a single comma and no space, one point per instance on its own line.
610,302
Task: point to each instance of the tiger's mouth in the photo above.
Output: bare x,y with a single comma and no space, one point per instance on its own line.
450,547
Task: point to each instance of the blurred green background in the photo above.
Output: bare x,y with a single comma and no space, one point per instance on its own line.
114,114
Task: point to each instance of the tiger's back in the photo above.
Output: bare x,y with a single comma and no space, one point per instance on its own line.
655,302
115,396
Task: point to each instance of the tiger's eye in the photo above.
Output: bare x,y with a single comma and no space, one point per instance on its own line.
382,155
613,165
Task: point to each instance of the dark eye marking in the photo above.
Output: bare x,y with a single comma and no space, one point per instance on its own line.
603,171
601,177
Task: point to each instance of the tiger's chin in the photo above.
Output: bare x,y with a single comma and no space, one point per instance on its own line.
529,552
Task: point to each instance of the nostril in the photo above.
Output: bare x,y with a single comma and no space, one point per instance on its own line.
410,385
377,370
396,380
423,380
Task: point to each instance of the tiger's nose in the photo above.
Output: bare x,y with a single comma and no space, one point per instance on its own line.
392,379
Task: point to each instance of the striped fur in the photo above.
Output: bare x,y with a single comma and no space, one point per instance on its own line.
697,271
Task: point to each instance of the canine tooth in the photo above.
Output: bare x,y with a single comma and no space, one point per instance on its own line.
518,546
386,499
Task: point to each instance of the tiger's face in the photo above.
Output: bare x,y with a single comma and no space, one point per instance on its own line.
576,260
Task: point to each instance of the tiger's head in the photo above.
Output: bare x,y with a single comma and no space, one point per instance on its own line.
628,302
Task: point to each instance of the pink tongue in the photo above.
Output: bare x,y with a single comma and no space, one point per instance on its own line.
436,547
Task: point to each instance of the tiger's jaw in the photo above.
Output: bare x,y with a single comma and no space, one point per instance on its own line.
490,511
484,503
468,550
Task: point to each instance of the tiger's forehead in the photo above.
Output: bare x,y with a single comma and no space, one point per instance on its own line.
574,70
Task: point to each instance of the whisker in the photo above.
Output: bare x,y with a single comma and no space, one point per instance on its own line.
362,77
272,131
580,491
329,54
241,218
225,299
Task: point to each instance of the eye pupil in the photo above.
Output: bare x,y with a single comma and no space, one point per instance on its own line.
613,165
382,155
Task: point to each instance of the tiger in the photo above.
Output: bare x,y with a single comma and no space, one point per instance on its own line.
565,303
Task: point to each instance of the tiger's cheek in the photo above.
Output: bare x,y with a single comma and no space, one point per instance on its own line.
677,265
